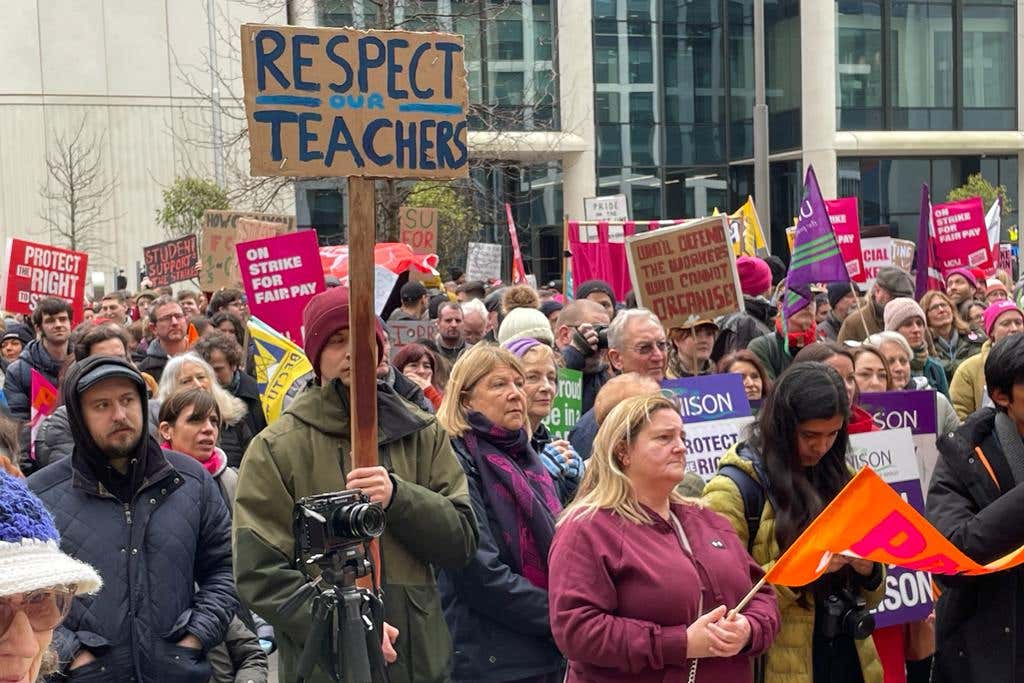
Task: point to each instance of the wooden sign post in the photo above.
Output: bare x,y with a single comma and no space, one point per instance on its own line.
362,105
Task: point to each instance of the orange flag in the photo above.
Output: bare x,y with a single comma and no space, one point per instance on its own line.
869,519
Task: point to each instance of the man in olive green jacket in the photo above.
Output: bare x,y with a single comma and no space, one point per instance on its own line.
307,451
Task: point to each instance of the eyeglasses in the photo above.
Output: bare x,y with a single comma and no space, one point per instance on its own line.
170,317
45,609
647,348
938,306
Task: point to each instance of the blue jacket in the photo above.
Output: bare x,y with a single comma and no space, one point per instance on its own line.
18,379
165,559
583,434
498,619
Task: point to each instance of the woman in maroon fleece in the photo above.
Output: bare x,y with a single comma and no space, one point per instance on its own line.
633,567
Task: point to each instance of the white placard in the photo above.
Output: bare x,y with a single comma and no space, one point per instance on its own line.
483,261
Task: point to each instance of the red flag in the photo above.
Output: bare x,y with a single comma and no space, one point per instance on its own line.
518,269
43,402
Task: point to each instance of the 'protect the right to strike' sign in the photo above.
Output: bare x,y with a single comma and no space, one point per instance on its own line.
344,102
35,271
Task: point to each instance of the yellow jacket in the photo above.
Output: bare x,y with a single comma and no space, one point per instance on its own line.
967,390
790,657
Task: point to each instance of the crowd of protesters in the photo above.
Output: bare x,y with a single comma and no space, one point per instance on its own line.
509,555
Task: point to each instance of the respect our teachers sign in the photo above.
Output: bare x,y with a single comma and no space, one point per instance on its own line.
344,102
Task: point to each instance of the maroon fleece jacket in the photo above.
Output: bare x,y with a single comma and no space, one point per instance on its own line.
621,596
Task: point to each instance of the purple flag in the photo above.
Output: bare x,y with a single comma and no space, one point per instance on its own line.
816,257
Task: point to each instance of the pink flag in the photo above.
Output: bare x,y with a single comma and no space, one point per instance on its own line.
44,400
518,269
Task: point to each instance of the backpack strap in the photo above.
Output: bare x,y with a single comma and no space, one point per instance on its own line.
753,499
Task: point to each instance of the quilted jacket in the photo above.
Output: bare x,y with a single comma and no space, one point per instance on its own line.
151,553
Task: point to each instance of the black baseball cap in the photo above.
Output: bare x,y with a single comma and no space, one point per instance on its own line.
413,291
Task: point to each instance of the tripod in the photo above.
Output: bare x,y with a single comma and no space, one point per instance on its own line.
345,636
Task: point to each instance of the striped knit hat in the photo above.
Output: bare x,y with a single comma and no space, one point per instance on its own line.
30,557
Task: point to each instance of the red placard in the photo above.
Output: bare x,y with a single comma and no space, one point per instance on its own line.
280,274
961,238
35,271
845,220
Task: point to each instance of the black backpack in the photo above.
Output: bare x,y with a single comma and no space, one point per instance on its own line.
753,492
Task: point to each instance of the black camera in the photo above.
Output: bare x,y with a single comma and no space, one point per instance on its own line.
847,614
581,342
334,521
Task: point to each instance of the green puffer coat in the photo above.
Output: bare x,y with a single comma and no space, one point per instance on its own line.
790,657
430,522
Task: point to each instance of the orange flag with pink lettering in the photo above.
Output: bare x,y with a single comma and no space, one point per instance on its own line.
869,519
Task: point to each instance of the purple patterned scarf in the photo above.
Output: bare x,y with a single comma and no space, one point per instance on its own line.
518,491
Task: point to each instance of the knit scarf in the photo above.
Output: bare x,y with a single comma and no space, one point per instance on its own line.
212,464
519,493
797,340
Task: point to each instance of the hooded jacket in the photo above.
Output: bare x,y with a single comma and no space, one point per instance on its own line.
790,657
973,502
160,537
18,378
155,360
429,523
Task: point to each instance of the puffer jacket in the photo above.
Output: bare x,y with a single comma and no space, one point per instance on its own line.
18,378
951,355
967,390
151,553
430,522
790,658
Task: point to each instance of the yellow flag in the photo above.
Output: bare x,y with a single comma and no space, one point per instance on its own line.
282,369
753,236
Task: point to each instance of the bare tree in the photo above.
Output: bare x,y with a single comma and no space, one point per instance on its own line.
77,191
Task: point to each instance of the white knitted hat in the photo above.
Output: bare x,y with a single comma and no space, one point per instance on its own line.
525,322
30,557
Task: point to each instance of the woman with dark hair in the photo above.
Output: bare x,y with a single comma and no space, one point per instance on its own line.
795,460
871,369
746,364
420,365
226,322
840,359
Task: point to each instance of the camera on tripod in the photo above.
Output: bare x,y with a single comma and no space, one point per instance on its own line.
335,521
848,615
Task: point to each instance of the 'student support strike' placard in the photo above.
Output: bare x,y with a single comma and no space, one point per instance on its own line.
845,219
685,273
35,271
280,275
344,102
961,238
171,261
716,412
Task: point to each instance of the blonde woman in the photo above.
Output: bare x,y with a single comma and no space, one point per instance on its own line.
641,579
497,606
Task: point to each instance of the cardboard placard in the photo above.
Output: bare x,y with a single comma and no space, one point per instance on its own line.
280,274
685,273
715,411
483,261
567,406
171,261
35,271
221,230
402,332
845,219
903,254
961,238
612,207
417,227
344,102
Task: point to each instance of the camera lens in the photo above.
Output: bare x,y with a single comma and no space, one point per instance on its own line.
358,521
859,624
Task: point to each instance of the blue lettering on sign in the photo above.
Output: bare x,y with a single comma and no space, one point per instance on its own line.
299,62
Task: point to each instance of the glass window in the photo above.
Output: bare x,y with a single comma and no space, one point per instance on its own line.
921,65
606,59
507,88
641,60
741,79
782,73
989,87
606,105
543,30
859,65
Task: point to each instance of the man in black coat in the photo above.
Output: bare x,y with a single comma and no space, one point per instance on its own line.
976,499
52,317
155,526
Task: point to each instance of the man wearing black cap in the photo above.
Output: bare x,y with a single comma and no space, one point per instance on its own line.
841,300
891,283
152,522
414,303
422,487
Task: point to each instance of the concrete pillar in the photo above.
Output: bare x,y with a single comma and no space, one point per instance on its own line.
818,90
576,103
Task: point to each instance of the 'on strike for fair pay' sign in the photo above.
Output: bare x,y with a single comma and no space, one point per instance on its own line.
36,270
685,273
343,102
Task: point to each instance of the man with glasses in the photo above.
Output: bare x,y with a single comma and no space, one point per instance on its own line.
169,325
636,343
154,525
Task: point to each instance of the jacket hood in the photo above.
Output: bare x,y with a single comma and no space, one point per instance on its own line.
156,349
325,407
88,457
760,308
35,354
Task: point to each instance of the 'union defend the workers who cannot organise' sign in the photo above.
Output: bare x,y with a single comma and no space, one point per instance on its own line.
280,275
685,273
35,271
344,102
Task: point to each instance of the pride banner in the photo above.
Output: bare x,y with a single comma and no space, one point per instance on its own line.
869,519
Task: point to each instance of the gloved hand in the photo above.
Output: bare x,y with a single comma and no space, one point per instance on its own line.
561,460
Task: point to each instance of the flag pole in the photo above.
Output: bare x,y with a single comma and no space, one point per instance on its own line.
853,288
747,598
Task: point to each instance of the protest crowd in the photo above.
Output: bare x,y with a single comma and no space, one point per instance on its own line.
564,499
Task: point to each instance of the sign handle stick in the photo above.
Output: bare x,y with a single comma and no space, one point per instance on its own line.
362,233
853,288
746,599
565,258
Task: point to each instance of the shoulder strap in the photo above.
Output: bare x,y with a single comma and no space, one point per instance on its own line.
753,499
